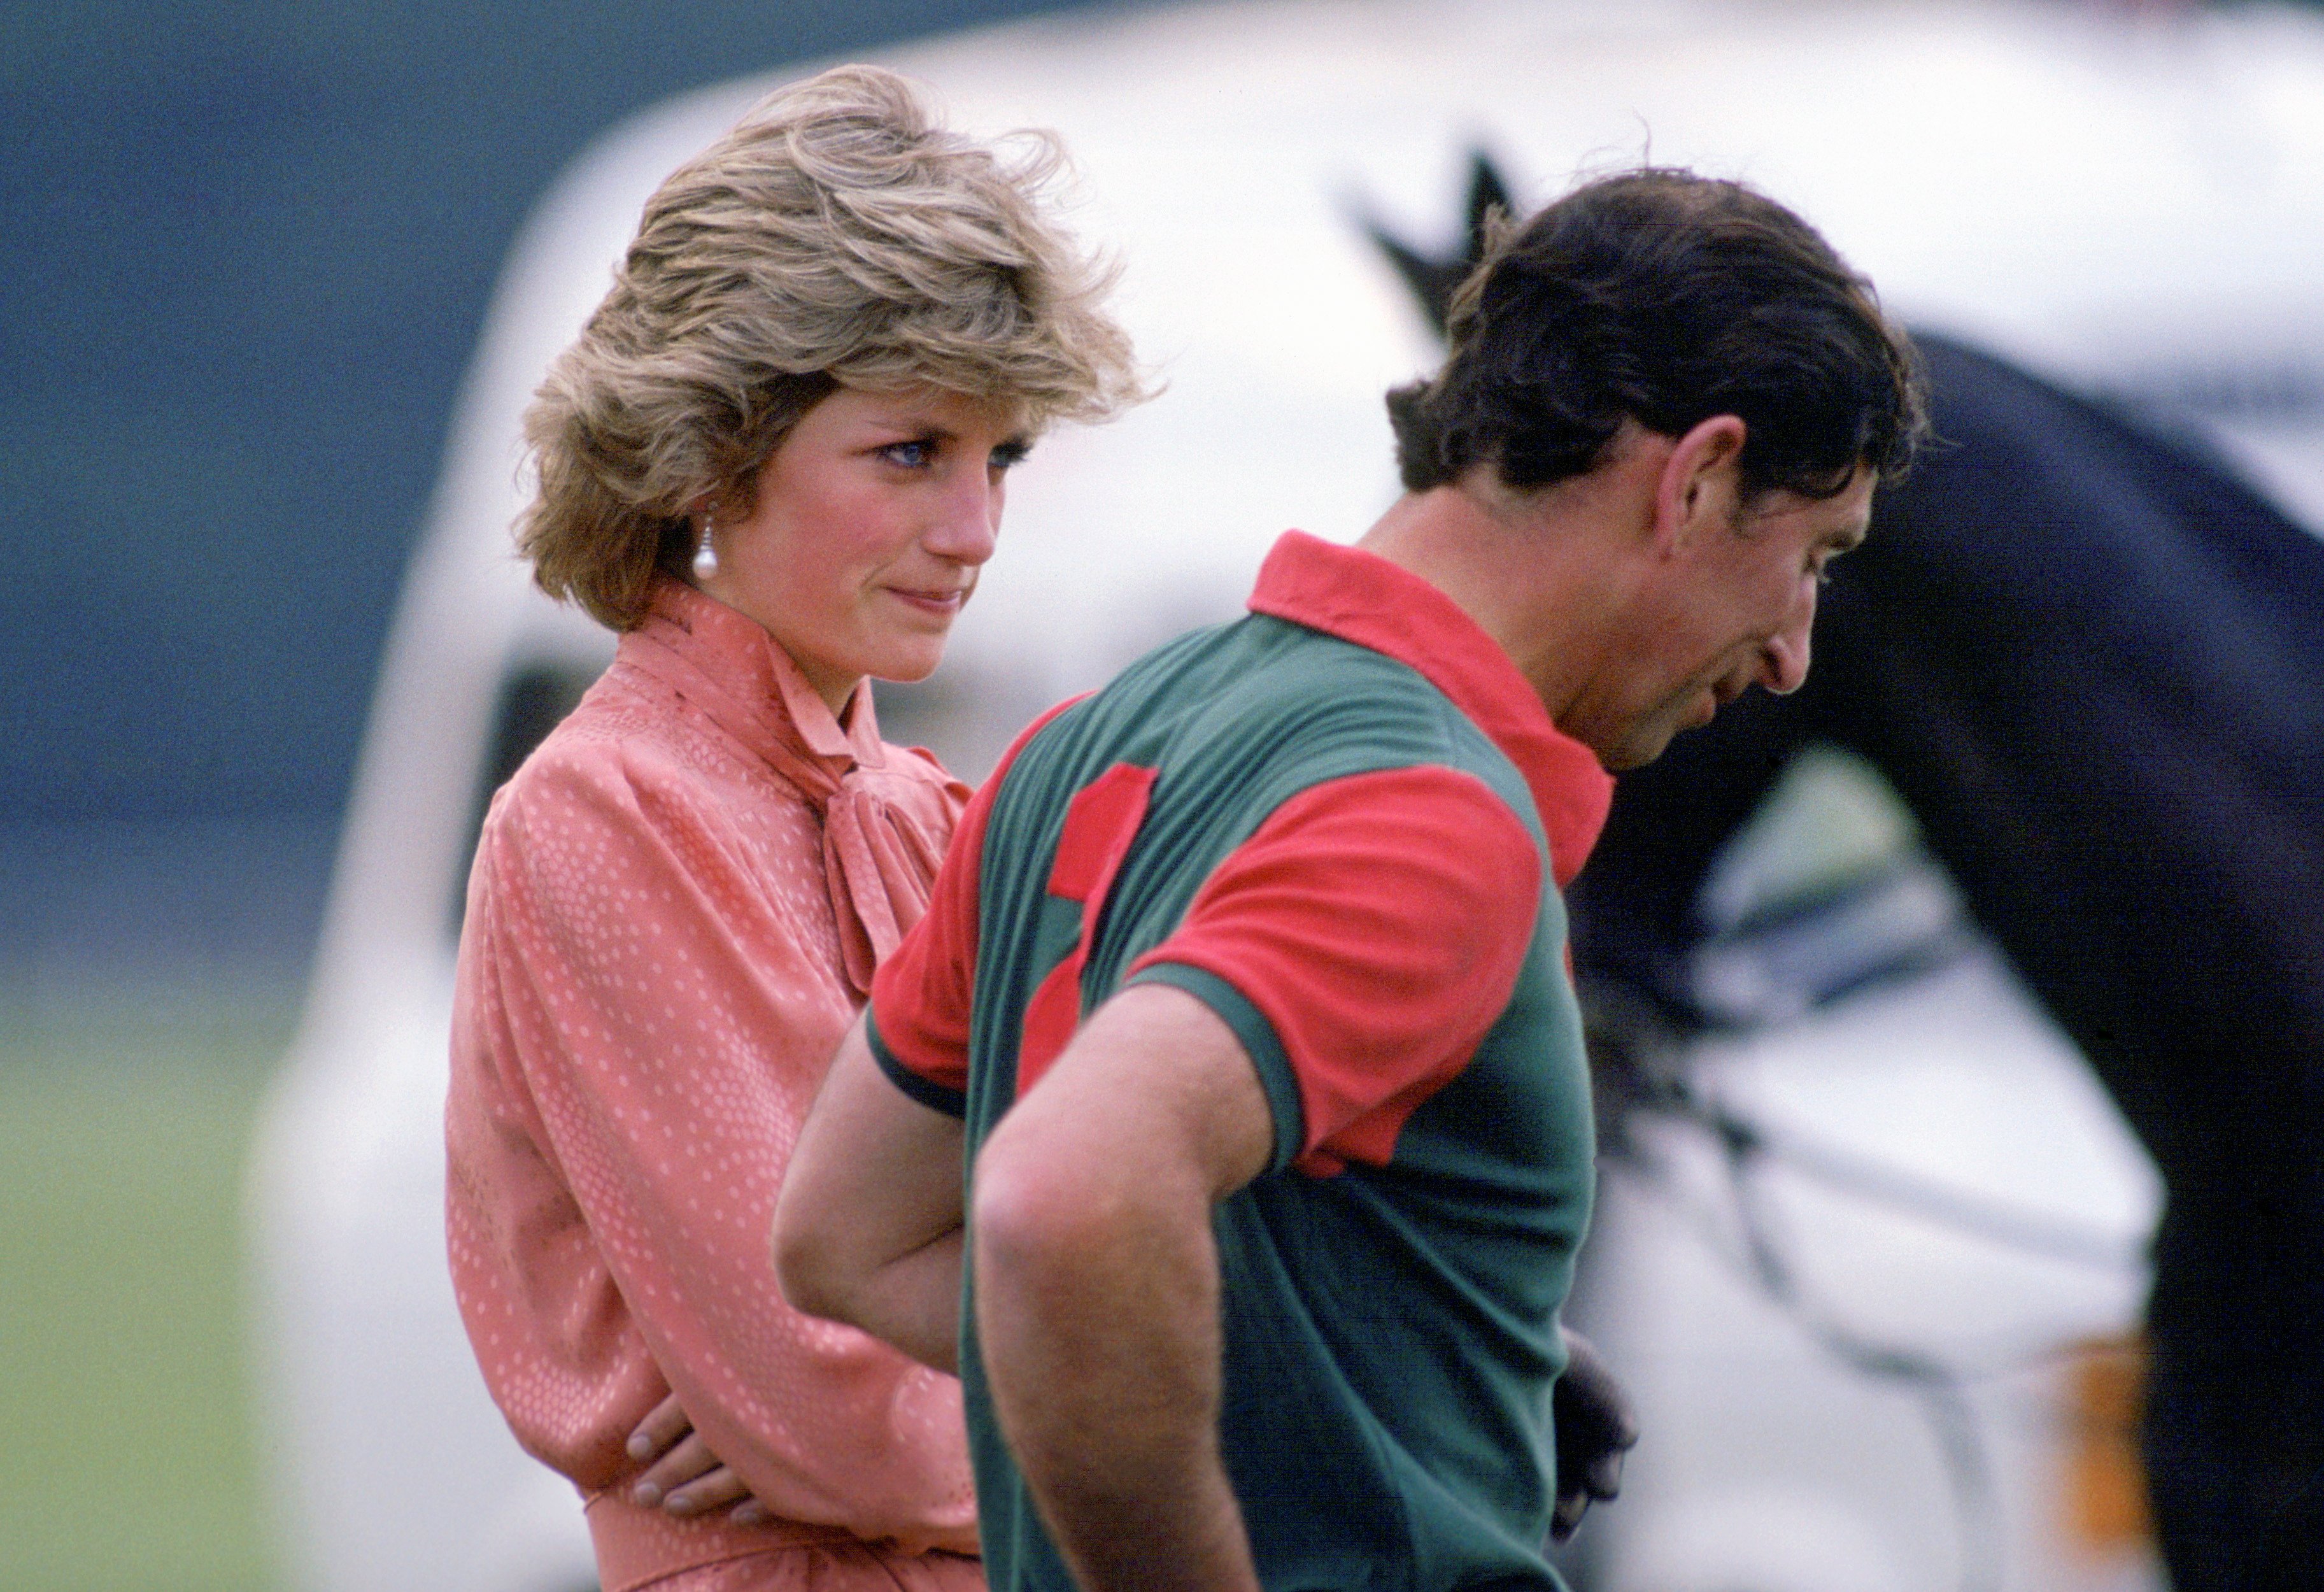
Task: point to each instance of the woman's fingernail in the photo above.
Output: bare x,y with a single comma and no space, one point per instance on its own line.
750,1513
645,1495
641,1445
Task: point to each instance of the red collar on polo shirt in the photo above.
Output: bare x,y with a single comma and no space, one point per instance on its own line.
1361,597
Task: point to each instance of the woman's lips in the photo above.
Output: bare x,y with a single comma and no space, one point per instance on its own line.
946,602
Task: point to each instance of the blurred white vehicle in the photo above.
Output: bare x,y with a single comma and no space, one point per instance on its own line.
2137,206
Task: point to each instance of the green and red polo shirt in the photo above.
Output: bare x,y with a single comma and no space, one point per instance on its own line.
1340,822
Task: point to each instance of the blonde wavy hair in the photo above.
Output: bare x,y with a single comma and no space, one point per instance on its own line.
837,237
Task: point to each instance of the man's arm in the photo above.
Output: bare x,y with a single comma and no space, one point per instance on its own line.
868,1225
1097,1295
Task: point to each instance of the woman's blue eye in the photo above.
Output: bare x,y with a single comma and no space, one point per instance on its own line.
1009,455
912,454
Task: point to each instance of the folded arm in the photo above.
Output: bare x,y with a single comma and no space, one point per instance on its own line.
635,1049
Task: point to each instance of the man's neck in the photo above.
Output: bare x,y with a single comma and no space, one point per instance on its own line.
1533,570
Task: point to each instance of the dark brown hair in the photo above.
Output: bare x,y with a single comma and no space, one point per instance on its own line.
1664,297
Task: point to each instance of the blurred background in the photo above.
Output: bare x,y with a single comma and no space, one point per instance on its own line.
246,255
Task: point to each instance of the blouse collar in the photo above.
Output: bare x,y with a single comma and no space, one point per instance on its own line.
726,664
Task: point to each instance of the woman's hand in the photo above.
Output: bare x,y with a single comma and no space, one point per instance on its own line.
685,1479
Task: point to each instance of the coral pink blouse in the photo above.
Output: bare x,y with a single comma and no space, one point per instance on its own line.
674,914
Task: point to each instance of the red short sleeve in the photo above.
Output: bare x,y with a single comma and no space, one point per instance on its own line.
1377,922
923,994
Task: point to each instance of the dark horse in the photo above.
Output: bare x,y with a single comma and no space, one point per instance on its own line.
2092,661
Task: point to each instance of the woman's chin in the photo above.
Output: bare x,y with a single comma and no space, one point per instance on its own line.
907,667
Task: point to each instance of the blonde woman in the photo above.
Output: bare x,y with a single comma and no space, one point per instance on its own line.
774,462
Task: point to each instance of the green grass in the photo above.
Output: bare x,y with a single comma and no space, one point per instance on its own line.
128,1459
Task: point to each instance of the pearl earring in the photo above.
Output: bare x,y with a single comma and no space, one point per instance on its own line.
705,553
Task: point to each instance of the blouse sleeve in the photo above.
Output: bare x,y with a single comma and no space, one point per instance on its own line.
634,1049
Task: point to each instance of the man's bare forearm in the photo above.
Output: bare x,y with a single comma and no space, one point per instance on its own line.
1097,1295
867,1227
913,1303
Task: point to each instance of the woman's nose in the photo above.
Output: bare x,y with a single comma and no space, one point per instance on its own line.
968,518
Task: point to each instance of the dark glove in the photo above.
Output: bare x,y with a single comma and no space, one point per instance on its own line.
1595,1428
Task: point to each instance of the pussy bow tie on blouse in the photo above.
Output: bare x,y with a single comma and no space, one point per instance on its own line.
880,860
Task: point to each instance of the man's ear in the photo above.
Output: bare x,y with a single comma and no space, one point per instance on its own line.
1702,483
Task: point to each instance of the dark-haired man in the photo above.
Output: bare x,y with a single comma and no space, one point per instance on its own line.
1243,992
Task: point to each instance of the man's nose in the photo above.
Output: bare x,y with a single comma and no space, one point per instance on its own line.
1784,667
